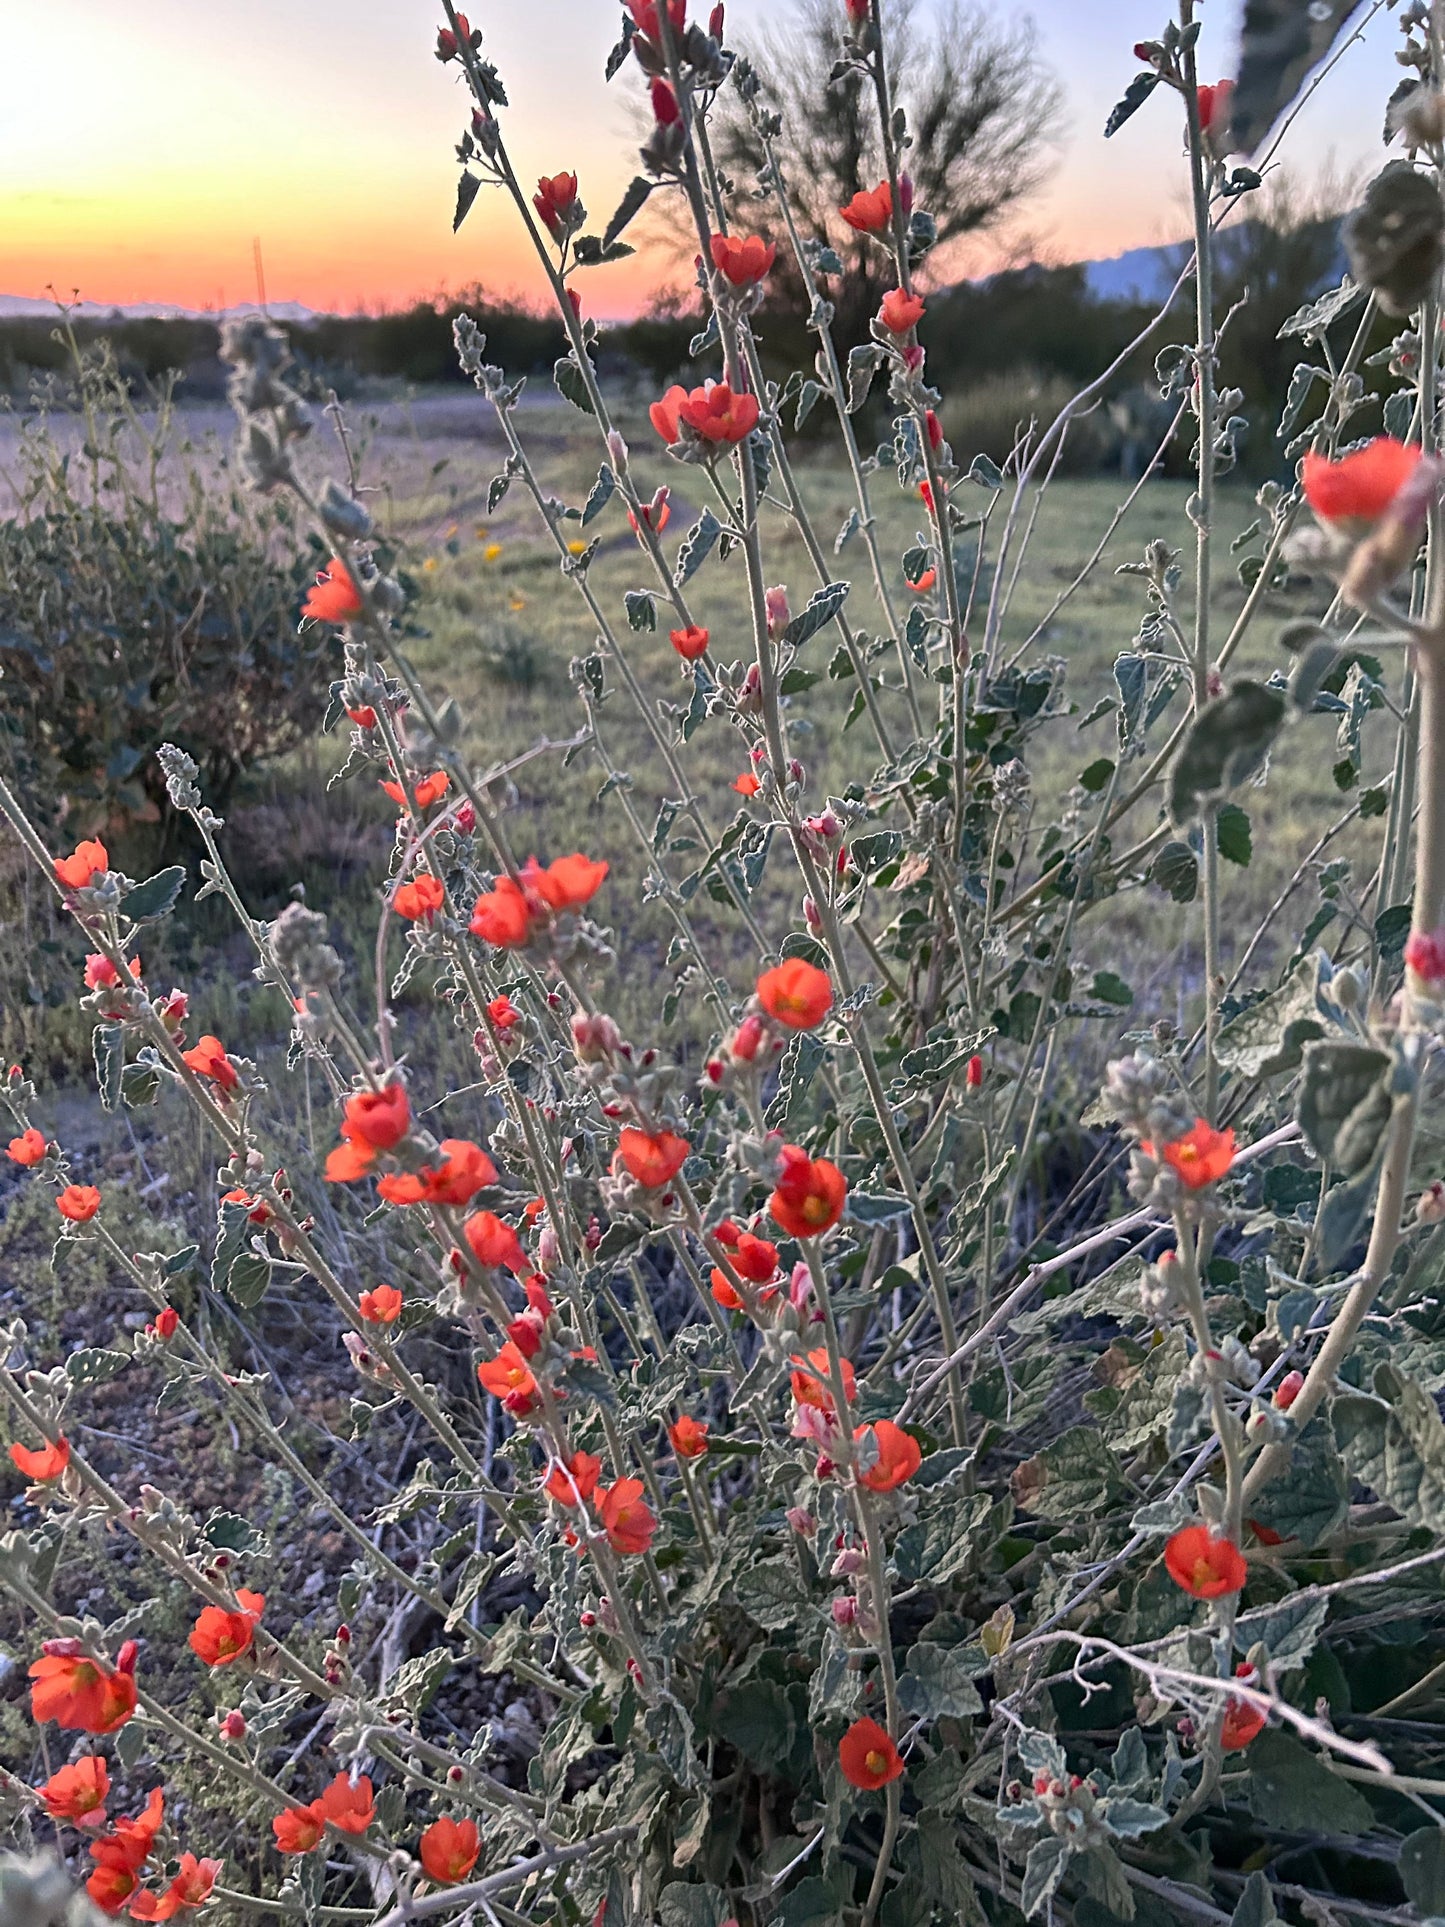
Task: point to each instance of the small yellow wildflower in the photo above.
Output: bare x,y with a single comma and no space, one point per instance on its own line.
577,548
491,551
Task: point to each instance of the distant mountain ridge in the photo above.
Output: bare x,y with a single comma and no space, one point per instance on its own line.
1139,274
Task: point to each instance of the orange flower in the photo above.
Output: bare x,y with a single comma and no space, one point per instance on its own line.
1214,105
78,1793
1204,1565
508,1377
495,1244
653,1158
810,1194
380,1306
644,12
812,1382
348,1806
900,311
747,784
657,513
464,1170
567,882
208,1059
298,1829
554,200
503,1013
377,1120
925,582
1243,1720
899,1456
78,1202
112,1884
348,1162
689,1437
89,860
421,898
426,790
663,414
742,261
449,1850
575,1481
1202,1156
796,993
83,1695
868,1757
48,1463
870,210
335,597
1359,488
501,916
220,1636
689,643
718,415
190,1889
101,973
27,1149
626,1517
751,1258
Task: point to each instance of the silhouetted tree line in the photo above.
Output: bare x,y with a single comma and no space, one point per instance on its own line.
1036,319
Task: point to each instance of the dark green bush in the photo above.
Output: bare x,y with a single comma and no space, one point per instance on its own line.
142,598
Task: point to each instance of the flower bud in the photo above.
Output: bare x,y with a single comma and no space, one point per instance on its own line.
845,1611
232,1725
812,915
167,1321
715,22
1288,1390
802,1521
973,1076
776,602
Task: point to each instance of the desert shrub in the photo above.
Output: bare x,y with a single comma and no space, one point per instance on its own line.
932,1429
142,598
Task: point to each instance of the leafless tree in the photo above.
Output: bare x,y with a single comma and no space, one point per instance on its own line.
983,112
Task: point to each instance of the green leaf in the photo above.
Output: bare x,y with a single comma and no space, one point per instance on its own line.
1130,1819
94,1366
1395,1444
1176,869
820,609
641,610
1314,1498
876,1207
680,1905
932,1856
229,1532
1291,1790
1269,1037
1135,95
1422,1869
1344,1103
1043,1870
417,1681
1069,1479
1255,1906
697,545
1096,776
599,495
107,1045
631,204
571,385
1287,1631
248,1278
156,897
468,188
1232,834
1109,988
1227,743
864,362
768,1593
756,1718
937,1684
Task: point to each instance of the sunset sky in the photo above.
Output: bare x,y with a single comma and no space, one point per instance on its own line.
143,146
